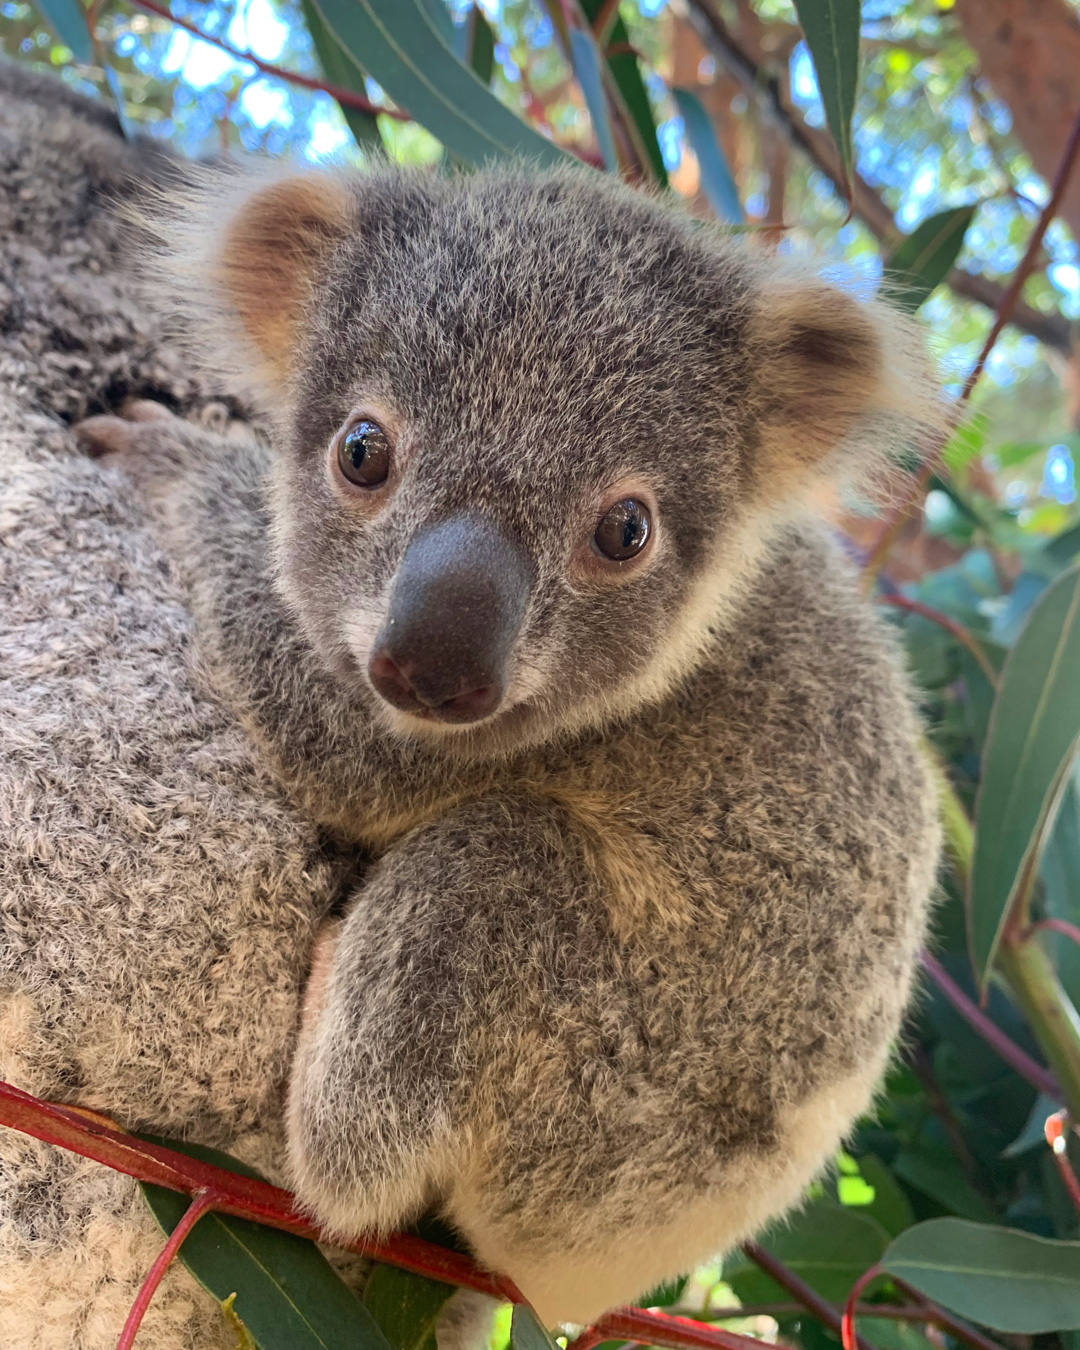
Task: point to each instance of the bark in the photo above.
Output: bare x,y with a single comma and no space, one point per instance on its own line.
1029,50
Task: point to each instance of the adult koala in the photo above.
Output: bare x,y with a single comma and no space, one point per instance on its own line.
158,896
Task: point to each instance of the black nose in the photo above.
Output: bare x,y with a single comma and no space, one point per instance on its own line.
455,610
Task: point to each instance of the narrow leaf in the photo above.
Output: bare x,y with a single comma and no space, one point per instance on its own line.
1063,549
1034,731
1010,1281
590,76
399,42
527,1332
716,181
406,1306
923,259
831,29
340,69
67,19
626,72
287,1294
481,45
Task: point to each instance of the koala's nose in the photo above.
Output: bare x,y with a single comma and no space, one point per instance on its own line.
455,609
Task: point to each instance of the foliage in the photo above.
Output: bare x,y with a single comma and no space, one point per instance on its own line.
949,1192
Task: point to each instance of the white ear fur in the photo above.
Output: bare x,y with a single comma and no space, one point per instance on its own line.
235,250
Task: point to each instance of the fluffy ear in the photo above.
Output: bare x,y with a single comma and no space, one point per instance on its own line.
841,384
238,250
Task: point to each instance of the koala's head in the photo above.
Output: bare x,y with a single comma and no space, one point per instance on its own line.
534,430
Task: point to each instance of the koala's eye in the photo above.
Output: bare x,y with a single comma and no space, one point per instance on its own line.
624,530
364,454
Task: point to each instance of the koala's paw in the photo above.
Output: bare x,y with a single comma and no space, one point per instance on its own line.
124,435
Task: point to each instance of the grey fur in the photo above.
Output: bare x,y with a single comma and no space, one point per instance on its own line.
158,894
631,956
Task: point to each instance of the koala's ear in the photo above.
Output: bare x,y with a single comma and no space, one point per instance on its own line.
234,251
274,242
840,383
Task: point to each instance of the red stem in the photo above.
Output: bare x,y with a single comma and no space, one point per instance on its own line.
1062,926
194,1212
893,526
848,1338
1056,1130
963,635
650,1327
1010,1052
939,1317
799,1289
345,96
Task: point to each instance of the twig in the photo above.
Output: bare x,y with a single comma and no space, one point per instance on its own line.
1056,1129
1062,926
810,1299
344,96
963,635
200,1205
848,1339
939,1104
891,530
651,1327
941,1317
1017,1059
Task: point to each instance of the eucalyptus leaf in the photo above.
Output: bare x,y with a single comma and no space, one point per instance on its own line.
828,1245
923,260
287,1295
626,72
401,44
936,1174
831,29
406,1306
527,1332
340,69
589,72
1034,730
1000,1278
67,19
480,45
717,182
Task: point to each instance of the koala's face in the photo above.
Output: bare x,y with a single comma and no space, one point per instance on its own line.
530,437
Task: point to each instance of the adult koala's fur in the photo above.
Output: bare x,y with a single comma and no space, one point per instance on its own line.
158,895
635,946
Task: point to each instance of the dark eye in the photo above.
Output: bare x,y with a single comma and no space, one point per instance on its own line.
624,530
364,455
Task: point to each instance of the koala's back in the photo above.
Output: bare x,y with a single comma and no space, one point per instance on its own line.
155,887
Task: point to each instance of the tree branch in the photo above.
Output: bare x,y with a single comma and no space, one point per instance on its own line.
817,146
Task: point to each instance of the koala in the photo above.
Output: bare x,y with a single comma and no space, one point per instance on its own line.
159,893
526,596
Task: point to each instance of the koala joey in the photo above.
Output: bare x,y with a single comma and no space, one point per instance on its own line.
526,599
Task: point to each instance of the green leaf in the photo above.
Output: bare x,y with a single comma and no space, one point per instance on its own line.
527,1332
626,73
288,1296
480,45
716,181
340,69
406,1306
67,19
1033,1135
828,1245
1000,1278
401,45
924,258
937,1175
890,1206
1034,730
589,73
1062,550
831,29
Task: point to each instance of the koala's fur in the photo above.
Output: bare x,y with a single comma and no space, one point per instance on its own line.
633,953
158,894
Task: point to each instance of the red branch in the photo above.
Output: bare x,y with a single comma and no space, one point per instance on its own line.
1062,926
1017,1059
894,525
224,1192
958,631
847,1323
201,1205
1056,1130
800,1290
